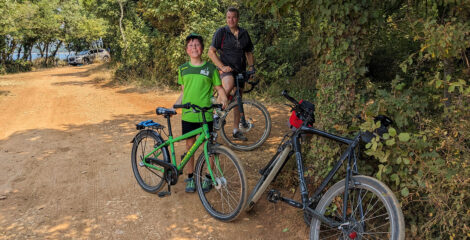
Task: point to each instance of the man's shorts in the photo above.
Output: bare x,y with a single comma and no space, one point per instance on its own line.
240,83
189,126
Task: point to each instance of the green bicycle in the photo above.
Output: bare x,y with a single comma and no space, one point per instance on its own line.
153,168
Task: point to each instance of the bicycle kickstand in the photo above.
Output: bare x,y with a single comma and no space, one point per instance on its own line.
166,193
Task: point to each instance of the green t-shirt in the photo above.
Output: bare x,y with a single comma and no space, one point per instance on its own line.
198,82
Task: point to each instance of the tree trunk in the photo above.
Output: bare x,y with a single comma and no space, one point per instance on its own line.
31,52
55,51
11,50
41,49
19,52
25,51
47,53
120,25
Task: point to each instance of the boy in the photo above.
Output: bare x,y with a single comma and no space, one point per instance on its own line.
197,78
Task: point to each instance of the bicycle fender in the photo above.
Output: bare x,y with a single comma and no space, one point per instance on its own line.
148,124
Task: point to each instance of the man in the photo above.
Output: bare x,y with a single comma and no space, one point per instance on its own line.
231,49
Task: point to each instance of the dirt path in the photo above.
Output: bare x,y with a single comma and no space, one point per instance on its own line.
65,168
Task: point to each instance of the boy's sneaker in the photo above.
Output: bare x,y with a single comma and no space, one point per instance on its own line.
206,184
239,136
190,186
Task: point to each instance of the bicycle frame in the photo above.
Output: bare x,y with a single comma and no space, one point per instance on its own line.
203,138
238,96
308,202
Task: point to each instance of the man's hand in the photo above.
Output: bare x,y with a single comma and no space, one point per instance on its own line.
226,69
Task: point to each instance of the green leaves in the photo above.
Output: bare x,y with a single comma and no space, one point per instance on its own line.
392,132
405,192
404,137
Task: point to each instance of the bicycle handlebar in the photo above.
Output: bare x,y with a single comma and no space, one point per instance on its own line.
196,107
286,95
246,78
187,105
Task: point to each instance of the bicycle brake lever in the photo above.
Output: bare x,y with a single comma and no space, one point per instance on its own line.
290,106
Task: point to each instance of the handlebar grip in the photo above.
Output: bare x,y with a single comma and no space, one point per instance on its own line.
186,105
250,72
286,95
216,105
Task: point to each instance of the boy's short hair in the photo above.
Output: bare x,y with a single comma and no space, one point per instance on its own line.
233,9
194,36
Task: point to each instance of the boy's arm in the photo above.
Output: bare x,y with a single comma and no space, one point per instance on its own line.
180,98
222,96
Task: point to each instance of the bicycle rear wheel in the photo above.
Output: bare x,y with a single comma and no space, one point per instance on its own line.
225,200
372,212
256,130
151,180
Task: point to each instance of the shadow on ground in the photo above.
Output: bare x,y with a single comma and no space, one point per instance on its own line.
78,183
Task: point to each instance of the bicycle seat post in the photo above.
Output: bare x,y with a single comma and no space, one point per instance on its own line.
238,78
203,112
170,132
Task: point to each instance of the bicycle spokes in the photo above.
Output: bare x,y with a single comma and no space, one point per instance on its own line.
366,217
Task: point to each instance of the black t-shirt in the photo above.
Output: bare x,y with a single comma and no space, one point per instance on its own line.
232,50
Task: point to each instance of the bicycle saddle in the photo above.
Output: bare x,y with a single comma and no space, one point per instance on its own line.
165,111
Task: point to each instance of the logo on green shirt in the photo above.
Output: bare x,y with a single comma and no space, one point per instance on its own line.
205,72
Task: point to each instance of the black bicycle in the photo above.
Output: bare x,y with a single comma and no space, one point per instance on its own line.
357,207
249,116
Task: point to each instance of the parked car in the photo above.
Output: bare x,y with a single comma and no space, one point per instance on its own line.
89,56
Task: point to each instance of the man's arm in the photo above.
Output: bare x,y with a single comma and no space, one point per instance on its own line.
250,60
216,60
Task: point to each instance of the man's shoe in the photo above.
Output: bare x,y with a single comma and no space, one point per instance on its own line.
190,186
206,184
239,136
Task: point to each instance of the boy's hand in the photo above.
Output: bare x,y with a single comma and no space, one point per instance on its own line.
224,102
222,98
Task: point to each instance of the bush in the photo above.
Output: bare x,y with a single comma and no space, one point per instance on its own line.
18,66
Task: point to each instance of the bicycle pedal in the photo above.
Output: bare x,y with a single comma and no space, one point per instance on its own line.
163,194
274,196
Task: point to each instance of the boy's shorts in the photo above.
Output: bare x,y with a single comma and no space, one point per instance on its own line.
189,126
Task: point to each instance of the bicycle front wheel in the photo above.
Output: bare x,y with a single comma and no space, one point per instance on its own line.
256,129
225,199
150,179
372,212
267,177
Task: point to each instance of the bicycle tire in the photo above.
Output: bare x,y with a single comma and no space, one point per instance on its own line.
230,175
265,180
256,135
150,180
365,190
